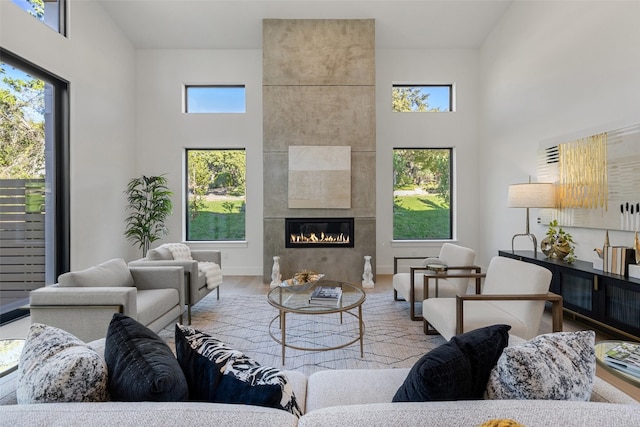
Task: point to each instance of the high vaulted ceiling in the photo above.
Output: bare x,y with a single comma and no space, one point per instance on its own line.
237,24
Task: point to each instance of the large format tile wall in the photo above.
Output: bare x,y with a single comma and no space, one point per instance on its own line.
319,90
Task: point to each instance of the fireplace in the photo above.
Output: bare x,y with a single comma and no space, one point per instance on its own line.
319,232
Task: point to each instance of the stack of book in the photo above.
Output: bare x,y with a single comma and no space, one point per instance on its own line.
326,295
625,357
617,259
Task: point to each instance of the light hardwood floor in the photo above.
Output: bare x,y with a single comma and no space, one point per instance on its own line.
255,285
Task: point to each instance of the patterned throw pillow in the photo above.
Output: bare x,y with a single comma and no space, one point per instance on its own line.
557,366
55,366
142,367
217,373
456,370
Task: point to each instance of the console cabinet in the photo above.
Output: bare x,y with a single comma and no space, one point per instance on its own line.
609,300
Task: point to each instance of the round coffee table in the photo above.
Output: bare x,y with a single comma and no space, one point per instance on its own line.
601,350
287,300
10,350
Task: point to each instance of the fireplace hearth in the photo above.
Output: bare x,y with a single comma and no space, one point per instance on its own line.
319,232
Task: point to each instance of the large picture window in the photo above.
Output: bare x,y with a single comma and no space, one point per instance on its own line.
216,201
422,183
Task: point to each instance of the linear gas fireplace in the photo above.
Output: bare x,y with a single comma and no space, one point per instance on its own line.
318,232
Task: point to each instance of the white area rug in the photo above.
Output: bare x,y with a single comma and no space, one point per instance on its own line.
391,339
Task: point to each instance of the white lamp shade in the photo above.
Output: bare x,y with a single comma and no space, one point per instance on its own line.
532,195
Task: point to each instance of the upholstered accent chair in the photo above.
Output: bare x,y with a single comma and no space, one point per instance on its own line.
413,286
513,293
196,286
84,301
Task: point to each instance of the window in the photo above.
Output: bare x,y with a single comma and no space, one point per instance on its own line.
216,194
215,99
422,98
34,182
50,12
422,193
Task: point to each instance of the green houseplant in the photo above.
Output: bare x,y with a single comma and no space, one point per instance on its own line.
149,205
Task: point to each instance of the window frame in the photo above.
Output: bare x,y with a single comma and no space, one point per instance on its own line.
186,195
186,87
451,216
60,178
451,87
61,13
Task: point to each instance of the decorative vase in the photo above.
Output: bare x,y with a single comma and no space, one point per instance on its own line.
554,249
276,277
367,275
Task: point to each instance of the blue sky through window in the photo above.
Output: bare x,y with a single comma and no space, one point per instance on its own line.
216,99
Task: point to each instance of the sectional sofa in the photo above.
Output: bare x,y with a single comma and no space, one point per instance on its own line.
336,398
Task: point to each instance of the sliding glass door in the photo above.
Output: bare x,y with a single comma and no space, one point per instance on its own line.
34,220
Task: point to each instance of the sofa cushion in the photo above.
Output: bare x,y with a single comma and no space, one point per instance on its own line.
456,370
557,366
217,373
153,303
159,254
55,366
110,273
141,366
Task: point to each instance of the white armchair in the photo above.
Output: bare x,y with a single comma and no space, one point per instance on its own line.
196,286
514,293
409,286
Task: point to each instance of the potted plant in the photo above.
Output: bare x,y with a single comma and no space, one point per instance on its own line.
558,243
149,205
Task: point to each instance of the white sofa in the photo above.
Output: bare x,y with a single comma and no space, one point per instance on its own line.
337,398
356,397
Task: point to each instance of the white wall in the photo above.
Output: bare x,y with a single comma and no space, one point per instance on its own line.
457,129
164,131
98,62
551,69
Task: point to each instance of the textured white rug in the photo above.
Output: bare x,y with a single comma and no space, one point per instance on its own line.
391,339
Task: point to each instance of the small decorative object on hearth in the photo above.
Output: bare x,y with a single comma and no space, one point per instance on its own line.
276,277
367,275
558,243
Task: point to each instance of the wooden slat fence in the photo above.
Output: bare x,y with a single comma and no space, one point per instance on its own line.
22,240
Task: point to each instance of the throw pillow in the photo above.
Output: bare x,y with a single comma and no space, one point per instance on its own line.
159,254
114,272
141,366
558,366
55,366
217,373
456,370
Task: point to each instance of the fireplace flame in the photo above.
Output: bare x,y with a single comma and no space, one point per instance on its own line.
323,238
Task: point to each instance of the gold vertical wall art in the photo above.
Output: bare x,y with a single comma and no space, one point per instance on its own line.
583,173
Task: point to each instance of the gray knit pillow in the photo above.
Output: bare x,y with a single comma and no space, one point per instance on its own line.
558,366
55,366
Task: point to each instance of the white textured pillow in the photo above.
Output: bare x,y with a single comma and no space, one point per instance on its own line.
110,273
557,366
55,366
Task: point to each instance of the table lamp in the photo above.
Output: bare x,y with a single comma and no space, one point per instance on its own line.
531,195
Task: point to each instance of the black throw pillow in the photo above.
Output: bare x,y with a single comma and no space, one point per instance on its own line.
141,366
456,370
217,373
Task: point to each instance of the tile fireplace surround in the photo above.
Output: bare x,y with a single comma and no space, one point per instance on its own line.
319,93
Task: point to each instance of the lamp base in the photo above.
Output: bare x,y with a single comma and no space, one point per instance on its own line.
533,239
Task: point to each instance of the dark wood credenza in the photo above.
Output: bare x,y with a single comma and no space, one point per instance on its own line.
609,301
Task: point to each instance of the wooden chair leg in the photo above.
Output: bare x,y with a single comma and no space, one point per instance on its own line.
428,329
